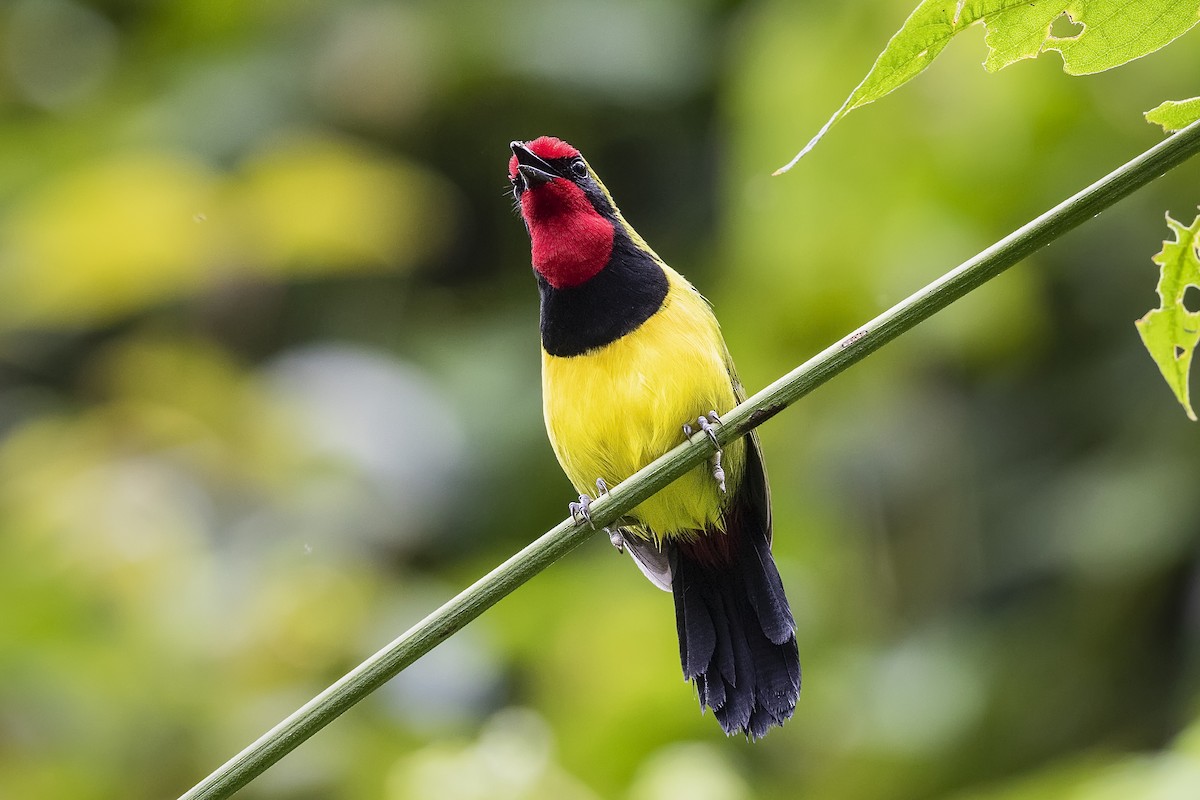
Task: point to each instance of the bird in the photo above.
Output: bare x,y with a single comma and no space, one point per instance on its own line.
633,361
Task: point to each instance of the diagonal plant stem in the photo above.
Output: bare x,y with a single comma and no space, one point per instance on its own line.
552,545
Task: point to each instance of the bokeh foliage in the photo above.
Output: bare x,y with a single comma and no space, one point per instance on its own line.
268,393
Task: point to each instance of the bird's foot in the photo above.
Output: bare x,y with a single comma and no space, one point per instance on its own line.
706,424
581,512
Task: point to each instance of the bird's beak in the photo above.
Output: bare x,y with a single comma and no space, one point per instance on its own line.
534,170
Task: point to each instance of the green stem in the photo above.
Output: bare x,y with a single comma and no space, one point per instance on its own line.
565,536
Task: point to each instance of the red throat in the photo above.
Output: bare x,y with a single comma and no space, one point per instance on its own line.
570,250
571,240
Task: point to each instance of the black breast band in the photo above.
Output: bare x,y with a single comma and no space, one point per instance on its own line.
613,303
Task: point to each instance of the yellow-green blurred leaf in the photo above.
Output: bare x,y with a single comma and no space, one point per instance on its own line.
191,397
321,205
109,237
1170,332
512,759
125,233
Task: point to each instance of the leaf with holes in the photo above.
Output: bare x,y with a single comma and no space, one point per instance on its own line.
1090,35
1175,115
1171,332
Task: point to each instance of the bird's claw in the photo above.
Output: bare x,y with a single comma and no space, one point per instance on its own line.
581,511
705,424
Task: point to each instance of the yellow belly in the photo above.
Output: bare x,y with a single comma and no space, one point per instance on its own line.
612,411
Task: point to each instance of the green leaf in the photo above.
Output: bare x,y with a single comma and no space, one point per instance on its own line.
910,51
1175,115
1106,34
1118,31
1170,332
1020,31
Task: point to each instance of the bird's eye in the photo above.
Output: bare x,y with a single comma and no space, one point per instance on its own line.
579,168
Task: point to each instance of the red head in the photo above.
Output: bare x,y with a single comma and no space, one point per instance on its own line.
561,202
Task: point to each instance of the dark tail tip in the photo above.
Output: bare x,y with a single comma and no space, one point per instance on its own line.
737,637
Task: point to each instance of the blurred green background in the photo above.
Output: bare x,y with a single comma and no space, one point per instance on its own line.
269,394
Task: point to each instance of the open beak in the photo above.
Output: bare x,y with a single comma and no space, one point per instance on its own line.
534,170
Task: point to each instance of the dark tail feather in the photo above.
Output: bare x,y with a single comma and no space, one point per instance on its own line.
737,638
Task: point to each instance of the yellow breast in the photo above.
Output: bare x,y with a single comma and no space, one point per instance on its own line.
611,411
